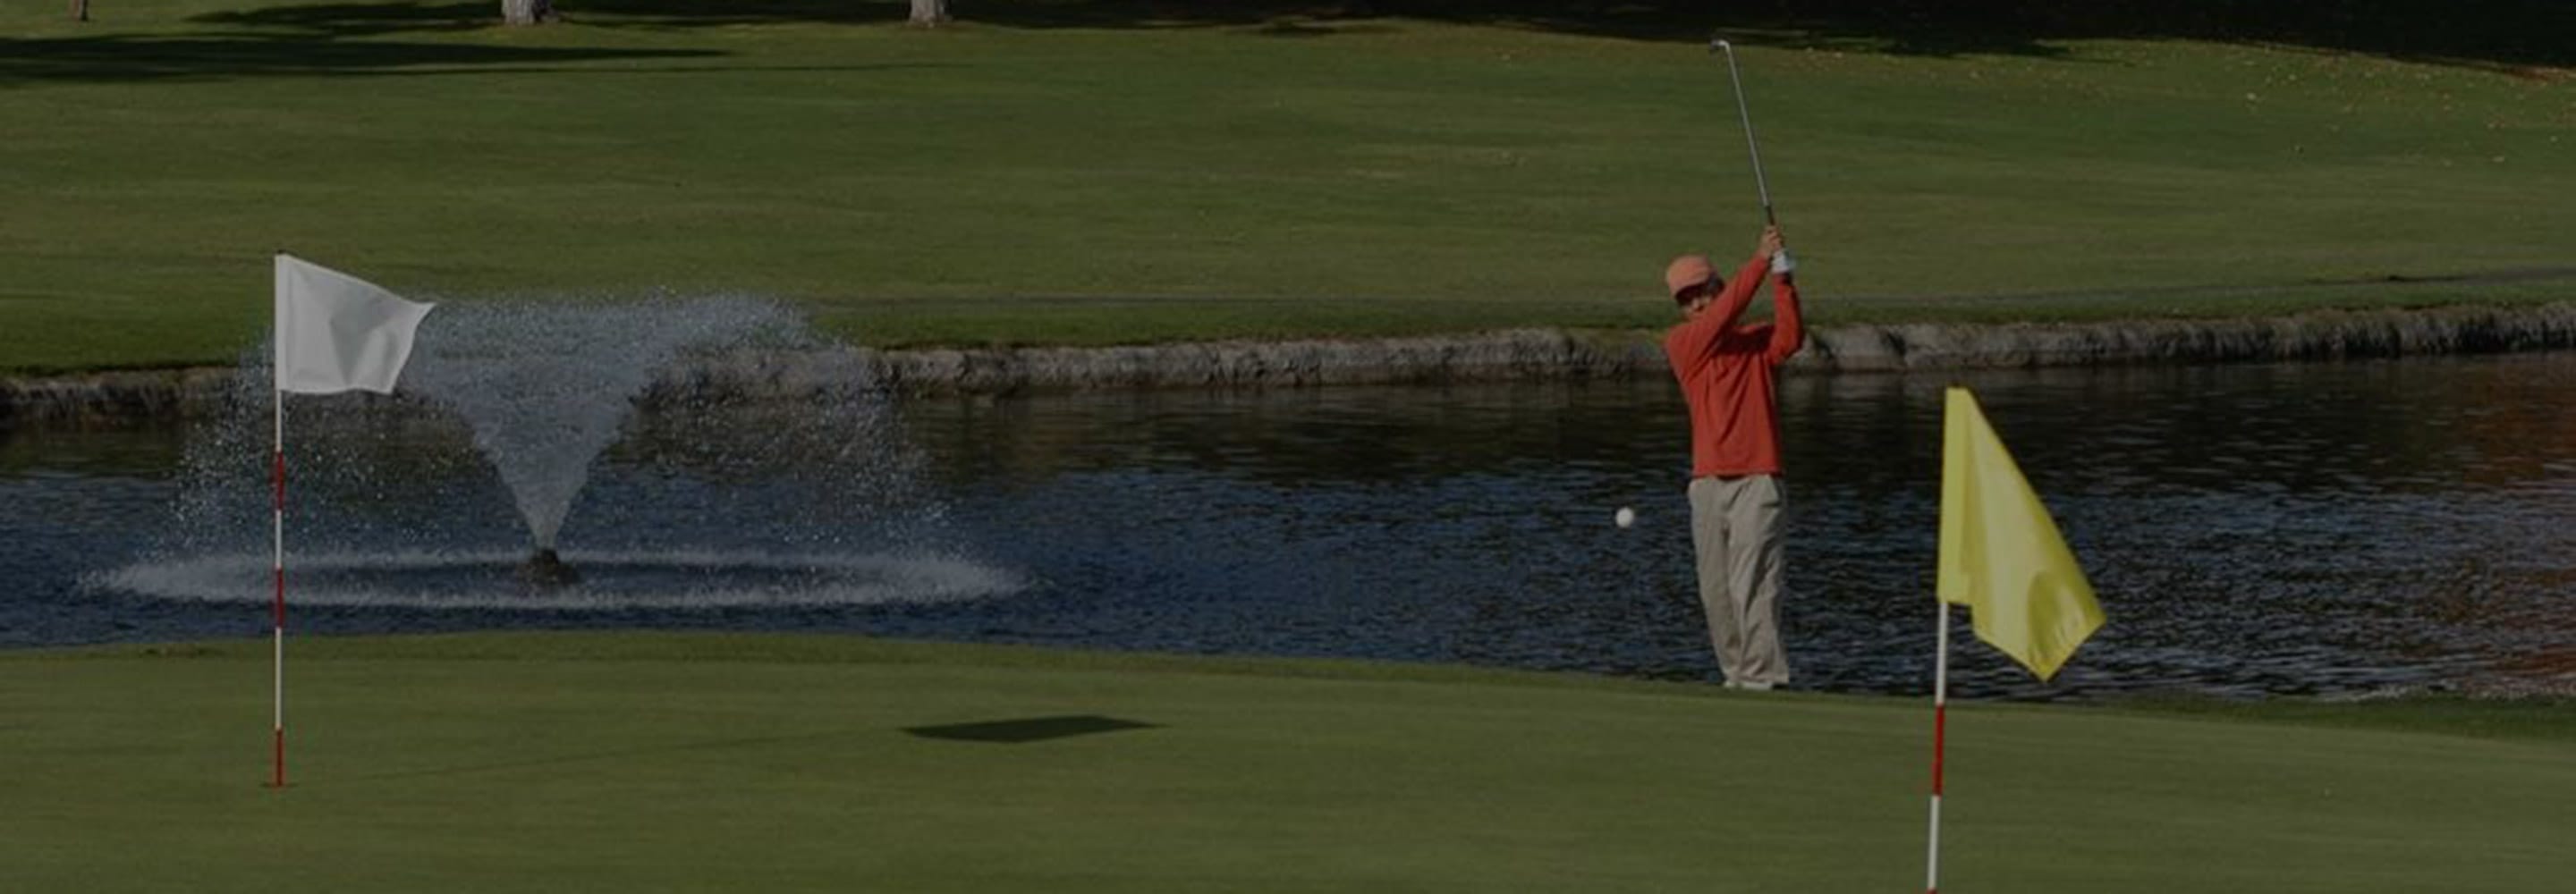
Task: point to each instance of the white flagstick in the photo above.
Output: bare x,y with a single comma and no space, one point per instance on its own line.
1940,735
334,333
278,565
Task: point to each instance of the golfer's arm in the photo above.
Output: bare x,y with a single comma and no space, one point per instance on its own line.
1699,337
1789,329
1738,294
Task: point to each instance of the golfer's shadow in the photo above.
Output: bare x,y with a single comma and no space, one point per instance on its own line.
1028,729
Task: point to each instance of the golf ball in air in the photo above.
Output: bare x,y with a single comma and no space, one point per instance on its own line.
1625,516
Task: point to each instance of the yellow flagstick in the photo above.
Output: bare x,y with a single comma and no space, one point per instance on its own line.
1940,741
2002,557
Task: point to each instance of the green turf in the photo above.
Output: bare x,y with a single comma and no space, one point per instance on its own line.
1220,176
659,762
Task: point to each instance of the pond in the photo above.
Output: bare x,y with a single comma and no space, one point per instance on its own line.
2317,528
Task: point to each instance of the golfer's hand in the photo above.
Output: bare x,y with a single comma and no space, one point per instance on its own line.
1778,254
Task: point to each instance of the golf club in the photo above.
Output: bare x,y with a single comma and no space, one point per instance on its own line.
1737,77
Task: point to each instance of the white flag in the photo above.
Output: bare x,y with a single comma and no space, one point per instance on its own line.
336,332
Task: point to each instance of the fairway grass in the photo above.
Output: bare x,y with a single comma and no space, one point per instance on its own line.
679,762
1083,177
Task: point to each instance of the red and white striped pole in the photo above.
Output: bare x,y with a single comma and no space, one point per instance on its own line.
1940,740
277,531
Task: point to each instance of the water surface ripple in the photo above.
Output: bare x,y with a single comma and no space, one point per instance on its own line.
2319,528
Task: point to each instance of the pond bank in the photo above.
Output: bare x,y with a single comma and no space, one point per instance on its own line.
1496,356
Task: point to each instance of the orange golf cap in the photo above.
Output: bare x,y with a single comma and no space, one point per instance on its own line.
1687,271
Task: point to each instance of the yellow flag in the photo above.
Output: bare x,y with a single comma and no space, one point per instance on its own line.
2001,556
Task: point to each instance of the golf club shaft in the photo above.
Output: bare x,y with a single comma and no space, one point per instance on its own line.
1745,112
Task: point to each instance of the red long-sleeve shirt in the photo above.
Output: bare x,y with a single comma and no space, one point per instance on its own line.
1726,374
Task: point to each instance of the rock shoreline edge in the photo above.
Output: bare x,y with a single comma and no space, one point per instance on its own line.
1515,355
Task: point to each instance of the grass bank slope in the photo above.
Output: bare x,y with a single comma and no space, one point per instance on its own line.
675,762
1101,172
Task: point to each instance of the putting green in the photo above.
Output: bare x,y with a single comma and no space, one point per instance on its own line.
660,762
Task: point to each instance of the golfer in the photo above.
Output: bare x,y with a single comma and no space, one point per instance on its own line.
1726,369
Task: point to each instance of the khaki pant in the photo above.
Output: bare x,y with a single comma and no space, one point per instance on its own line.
1737,529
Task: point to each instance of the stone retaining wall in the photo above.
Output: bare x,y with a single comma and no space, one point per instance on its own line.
1513,355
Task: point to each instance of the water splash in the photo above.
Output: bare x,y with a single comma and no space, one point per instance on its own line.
546,386
708,488
614,580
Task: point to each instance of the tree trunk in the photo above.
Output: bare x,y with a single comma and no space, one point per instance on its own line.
527,12
929,13
80,10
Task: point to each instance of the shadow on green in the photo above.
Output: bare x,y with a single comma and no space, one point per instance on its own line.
1029,729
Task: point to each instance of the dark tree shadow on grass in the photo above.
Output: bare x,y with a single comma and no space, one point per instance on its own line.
2515,36
2506,35
363,19
2527,38
116,58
